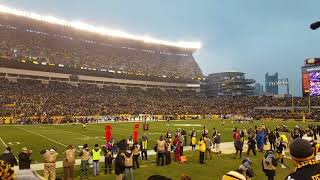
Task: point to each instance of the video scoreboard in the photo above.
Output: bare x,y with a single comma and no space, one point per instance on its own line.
311,77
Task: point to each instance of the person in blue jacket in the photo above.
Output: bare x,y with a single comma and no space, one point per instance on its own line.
260,140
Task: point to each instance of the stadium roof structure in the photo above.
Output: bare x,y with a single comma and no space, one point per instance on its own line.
99,30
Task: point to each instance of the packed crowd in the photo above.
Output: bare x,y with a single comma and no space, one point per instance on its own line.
53,44
33,98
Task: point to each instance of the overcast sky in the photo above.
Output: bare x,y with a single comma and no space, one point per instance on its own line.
250,36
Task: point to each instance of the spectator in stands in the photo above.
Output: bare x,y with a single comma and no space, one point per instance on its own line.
69,162
24,158
6,172
84,156
8,157
49,159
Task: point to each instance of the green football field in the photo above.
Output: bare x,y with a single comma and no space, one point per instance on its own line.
39,137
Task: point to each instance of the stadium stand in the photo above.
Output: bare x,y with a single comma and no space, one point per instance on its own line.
51,70
27,97
36,42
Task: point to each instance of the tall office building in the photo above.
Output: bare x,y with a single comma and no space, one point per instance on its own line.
271,83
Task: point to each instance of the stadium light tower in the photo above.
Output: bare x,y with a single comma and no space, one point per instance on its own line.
315,25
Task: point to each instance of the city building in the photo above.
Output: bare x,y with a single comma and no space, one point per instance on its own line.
271,84
227,84
258,89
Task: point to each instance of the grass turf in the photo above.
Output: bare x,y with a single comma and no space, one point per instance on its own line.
39,137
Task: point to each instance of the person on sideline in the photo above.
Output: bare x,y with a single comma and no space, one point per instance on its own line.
202,150
96,155
208,143
49,159
128,164
144,148
136,154
24,158
8,157
107,159
217,142
269,163
161,143
119,165
84,156
69,162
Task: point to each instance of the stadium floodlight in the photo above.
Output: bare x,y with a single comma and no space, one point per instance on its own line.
315,25
100,30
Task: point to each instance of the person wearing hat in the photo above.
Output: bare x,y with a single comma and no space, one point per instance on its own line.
119,166
269,164
49,158
208,143
280,149
244,172
161,149
84,156
202,150
96,156
302,153
136,154
8,157
144,148
24,158
69,162
128,164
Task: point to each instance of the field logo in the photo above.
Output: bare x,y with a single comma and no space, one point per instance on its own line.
13,143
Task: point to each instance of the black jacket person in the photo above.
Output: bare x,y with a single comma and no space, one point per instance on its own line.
302,154
8,157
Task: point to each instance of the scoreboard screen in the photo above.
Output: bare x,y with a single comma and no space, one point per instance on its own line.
311,80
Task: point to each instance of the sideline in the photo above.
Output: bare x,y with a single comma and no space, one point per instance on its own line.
3,142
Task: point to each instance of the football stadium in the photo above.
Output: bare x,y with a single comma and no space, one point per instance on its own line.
84,102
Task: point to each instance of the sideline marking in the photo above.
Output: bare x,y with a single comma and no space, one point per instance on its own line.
3,142
43,137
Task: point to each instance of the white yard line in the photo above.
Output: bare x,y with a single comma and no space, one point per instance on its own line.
43,137
3,142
